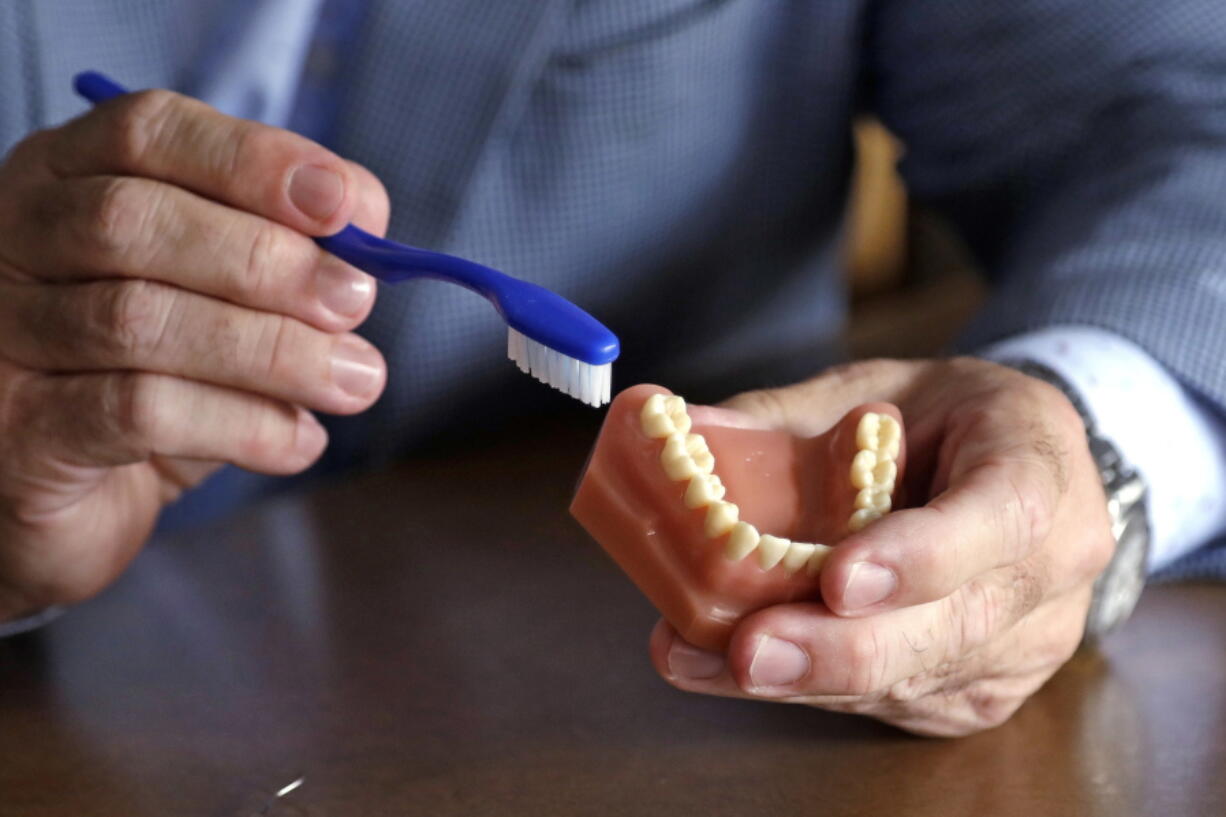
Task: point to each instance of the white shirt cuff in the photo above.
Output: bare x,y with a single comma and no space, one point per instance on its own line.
1174,441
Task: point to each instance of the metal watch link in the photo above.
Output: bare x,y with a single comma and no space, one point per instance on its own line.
1119,586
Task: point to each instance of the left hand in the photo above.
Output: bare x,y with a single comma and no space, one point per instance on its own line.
944,616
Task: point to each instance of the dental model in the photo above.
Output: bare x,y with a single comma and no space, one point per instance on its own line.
653,498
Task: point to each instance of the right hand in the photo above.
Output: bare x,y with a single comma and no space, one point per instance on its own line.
163,310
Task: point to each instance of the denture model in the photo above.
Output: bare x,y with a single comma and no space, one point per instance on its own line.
713,522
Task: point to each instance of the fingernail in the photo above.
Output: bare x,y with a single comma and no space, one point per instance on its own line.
777,662
310,437
685,661
316,191
343,289
868,584
356,367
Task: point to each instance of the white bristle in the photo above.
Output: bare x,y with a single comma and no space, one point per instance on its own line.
583,381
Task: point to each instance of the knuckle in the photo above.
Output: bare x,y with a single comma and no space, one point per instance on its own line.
138,410
112,219
137,121
273,253
130,318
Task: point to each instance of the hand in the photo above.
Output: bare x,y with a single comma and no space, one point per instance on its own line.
163,310
943,617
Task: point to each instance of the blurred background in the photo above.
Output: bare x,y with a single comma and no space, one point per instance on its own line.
913,283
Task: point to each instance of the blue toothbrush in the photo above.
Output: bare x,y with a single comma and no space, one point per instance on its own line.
547,336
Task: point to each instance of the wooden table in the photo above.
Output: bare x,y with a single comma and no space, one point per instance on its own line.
442,639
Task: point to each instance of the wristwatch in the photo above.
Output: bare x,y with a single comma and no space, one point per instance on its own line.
1119,586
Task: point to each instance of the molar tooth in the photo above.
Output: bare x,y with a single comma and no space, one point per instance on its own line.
864,499
861,518
862,469
889,451
889,434
705,461
682,421
866,431
818,558
721,518
681,468
771,550
885,472
674,446
695,444
797,556
703,490
674,404
653,405
742,541
658,425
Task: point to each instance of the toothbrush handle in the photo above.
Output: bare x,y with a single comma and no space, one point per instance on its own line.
385,260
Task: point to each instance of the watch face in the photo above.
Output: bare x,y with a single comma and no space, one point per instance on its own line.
1121,584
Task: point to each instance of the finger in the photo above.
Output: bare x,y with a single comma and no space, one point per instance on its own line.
119,418
992,516
373,207
123,226
805,650
807,409
147,326
175,139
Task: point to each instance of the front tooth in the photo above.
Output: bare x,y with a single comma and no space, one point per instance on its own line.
721,518
885,473
703,490
771,550
797,556
680,468
862,469
861,518
866,432
818,559
742,541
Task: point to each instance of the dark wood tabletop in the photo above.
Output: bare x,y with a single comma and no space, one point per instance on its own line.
440,638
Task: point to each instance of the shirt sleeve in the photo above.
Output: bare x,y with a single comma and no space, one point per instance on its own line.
28,623
1173,439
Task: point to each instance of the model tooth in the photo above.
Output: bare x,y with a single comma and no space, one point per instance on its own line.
680,469
889,433
653,405
705,462
742,541
771,550
797,556
862,466
889,451
866,432
674,404
885,473
682,421
875,497
703,490
658,426
820,553
674,446
721,518
695,444
861,518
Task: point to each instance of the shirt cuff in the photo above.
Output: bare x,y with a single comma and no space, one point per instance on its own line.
1175,442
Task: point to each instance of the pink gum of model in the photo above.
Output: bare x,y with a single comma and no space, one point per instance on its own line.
787,486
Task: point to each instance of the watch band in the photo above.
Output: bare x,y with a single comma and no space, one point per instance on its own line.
1118,588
